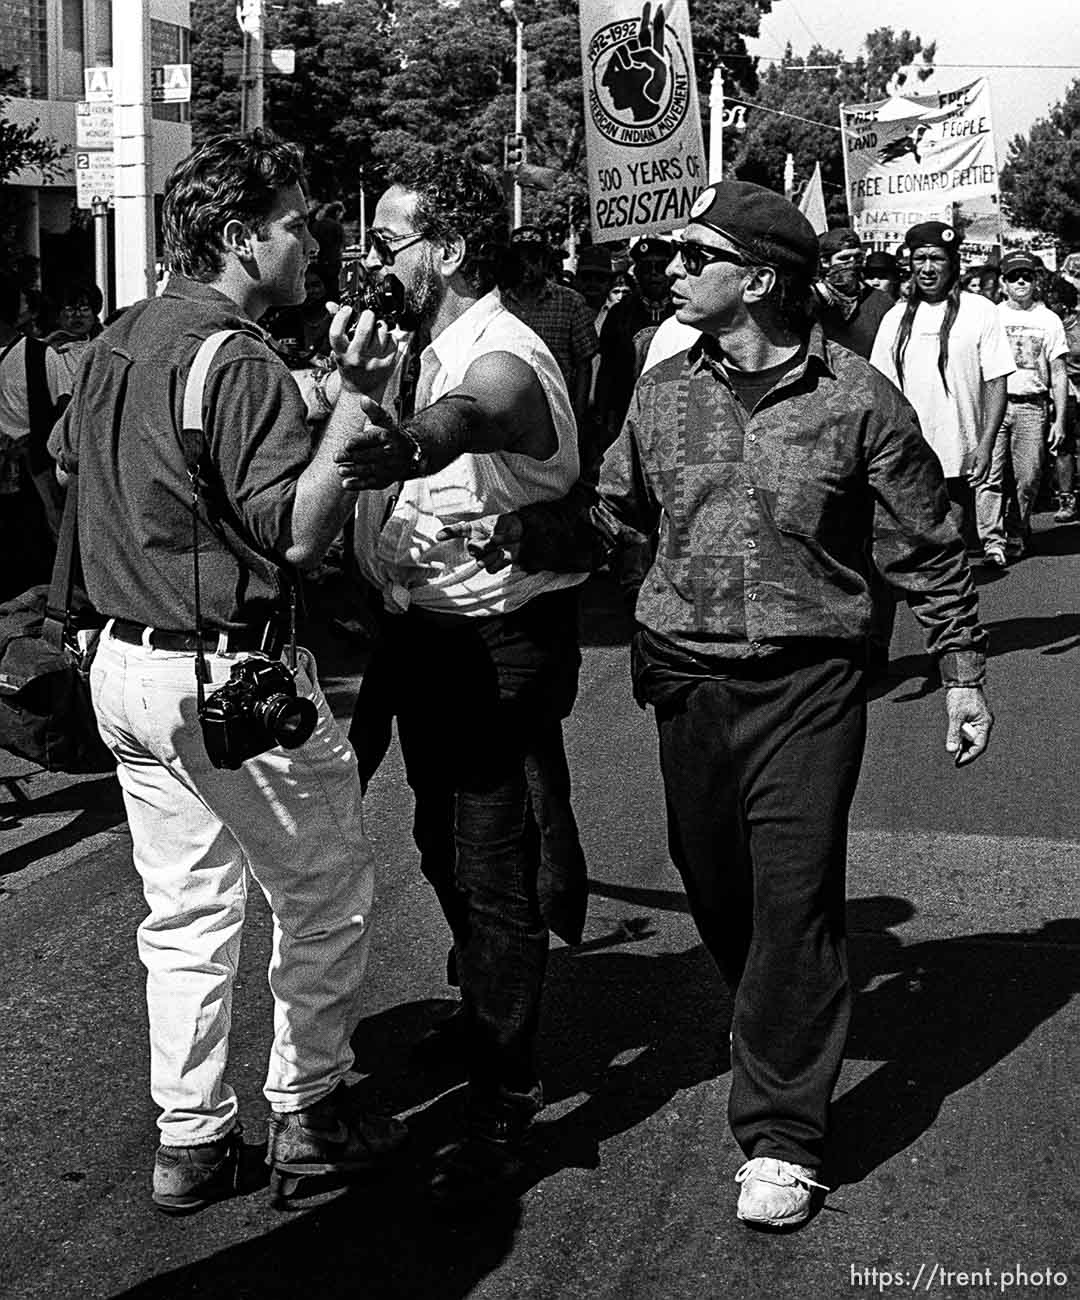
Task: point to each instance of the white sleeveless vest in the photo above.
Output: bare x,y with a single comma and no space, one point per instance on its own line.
395,541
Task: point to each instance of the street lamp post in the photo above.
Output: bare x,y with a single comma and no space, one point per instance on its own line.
508,7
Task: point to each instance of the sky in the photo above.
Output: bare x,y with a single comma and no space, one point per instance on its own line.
1033,34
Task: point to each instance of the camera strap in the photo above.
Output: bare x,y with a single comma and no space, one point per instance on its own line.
193,439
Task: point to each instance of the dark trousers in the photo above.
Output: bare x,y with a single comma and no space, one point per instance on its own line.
759,772
473,698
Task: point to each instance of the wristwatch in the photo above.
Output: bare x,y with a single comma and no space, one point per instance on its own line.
419,461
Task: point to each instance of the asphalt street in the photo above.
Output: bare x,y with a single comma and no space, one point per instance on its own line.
954,1162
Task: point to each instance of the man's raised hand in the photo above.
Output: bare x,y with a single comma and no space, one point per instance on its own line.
366,354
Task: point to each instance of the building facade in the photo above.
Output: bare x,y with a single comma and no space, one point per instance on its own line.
49,43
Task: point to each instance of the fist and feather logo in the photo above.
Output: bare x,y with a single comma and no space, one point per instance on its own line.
640,79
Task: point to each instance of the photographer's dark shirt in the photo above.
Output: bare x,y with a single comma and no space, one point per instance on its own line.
121,434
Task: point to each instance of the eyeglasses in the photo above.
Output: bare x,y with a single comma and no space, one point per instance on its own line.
695,256
1013,276
387,249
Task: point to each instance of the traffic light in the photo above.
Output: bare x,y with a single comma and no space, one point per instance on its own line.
513,150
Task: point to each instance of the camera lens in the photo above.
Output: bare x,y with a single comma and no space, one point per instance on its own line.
289,720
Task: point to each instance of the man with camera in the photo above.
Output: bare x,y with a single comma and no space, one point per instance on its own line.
229,759
477,668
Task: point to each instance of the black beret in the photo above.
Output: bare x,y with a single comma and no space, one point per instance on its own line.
933,234
652,247
761,222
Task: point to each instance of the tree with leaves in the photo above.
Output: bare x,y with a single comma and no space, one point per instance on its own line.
377,80
1040,182
797,108
22,148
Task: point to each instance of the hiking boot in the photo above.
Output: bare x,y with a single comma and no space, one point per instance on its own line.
189,1178
330,1137
489,1157
1066,508
775,1193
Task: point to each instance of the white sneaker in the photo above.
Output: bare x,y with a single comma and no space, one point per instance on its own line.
775,1193
995,554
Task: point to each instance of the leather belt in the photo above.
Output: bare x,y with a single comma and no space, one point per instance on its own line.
236,641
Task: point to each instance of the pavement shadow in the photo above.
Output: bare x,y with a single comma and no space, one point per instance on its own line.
938,1014
622,1029
1054,635
100,806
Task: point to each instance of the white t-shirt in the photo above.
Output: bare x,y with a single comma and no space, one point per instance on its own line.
14,404
951,421
1037,337
671,337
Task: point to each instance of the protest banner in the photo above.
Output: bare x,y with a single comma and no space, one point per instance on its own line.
646,158
914,159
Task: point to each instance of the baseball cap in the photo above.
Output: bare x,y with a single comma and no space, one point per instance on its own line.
1018,260
879,264
529,235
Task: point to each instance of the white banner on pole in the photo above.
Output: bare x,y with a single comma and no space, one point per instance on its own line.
910,160
642,121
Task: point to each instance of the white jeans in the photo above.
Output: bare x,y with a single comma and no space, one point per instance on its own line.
293,819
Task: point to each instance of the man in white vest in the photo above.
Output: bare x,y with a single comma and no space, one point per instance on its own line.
477,667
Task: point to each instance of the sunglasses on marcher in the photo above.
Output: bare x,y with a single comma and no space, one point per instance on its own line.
1013,276
386,249
695,256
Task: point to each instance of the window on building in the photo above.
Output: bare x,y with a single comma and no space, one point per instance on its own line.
103,33
72,50
170,43
24,46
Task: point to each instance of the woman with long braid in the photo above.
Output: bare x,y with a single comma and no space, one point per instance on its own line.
947,352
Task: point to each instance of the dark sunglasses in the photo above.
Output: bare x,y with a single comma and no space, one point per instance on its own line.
696,257
387,249
1013,276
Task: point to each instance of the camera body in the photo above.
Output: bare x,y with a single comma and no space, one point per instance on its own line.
257,709
384,296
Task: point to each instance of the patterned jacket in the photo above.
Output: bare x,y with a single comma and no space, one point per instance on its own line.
767,522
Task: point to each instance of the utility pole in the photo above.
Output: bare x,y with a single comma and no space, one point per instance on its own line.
101,252
249,14
716,125
133,199
508,7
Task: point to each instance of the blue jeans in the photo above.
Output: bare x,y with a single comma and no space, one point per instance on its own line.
473,698
1015,470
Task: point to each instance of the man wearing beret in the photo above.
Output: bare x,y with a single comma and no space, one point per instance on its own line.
770,462
848,309
947,353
